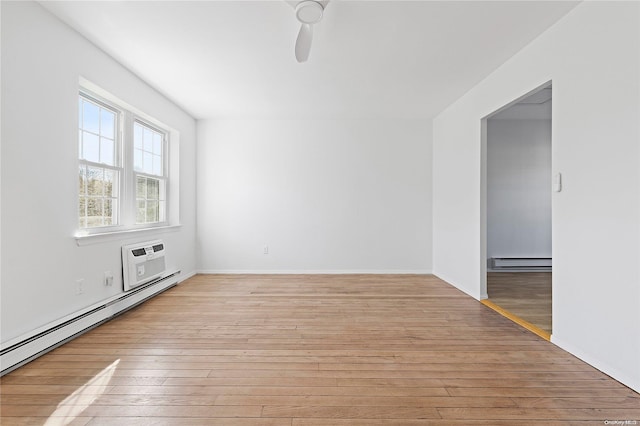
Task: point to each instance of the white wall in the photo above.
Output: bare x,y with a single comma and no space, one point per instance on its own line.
592,56
42,60
325,196
518,188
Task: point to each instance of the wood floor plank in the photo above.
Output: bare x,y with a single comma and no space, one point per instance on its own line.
95,410
577,402
431,422
31,421
592,392
181,421
522,414
311,350
366,401
347,412
279,390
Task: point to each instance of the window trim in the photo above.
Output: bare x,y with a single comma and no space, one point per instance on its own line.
126,116
89,239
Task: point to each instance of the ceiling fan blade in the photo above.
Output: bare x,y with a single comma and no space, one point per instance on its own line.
303,43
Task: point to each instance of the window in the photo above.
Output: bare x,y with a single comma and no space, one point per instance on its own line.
99,171
148,166
123,175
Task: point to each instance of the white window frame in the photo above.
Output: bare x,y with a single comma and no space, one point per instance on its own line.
116,167
124,153
164,177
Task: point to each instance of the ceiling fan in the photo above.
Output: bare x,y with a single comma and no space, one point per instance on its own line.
308,13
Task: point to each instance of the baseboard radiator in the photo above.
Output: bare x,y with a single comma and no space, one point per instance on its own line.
520,263
18,354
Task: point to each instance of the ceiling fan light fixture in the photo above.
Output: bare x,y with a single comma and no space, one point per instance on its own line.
309,12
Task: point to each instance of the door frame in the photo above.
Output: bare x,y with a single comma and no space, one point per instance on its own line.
483,185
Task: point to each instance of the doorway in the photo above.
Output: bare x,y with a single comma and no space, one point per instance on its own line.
517,210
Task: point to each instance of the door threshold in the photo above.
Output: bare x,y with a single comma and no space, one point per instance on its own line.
532,328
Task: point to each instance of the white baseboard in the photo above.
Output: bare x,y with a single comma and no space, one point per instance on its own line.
518,270
314,271
184,277
606,368
24,348
452,283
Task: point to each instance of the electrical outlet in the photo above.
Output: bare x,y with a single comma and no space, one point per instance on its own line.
108,278
79,286
265,250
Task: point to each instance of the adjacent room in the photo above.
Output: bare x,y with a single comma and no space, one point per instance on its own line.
326,212
518,210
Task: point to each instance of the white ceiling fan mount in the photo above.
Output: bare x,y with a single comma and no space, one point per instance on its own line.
308,13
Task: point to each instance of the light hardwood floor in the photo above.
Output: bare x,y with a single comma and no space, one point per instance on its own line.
295,350
526,295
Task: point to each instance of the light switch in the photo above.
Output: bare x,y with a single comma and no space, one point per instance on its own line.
557,182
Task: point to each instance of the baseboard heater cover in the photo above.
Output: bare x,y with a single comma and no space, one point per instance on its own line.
520,262
28,349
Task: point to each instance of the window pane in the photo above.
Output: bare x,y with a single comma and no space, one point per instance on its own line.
147,140
90,117
157,165
90,147
147,162
82,181
106,151
82,214
98,206
152,189
150,196
108,212
95,180
141,187
108,184
137,160
94,212
157,143
80,143
152,211
107,123
137,135
141,213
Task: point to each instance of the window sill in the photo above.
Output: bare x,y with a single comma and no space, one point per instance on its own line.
85,240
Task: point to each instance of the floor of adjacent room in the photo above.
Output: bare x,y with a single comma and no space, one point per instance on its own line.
524,295
302,350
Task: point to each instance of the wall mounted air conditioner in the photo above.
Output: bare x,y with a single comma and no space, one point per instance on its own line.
142,263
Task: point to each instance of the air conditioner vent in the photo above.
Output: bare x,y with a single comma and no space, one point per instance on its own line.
142,263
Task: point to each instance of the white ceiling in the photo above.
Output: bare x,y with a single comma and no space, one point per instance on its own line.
369,59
